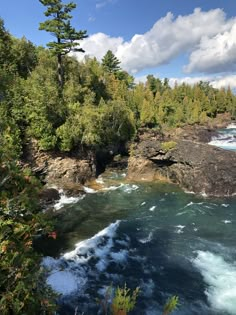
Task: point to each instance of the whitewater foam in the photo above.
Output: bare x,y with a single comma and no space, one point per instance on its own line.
231,126
100,180
63,282
129,188
89,190
225,205
179,229
70,272
227,221
221,279
224,144
152,208
226,139
120,256
65,200
147,239
111,188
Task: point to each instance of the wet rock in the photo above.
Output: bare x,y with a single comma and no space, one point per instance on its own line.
49,195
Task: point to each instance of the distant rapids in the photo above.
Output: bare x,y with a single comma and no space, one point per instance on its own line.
226,138
151,235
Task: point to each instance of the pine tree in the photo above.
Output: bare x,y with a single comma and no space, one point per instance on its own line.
60,27
110,62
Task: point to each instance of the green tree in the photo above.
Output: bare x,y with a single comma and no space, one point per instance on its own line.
44,109
23,289
6,61
5,45
25,56
60,27
110,62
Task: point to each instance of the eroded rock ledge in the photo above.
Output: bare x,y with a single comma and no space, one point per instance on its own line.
67,171
195,166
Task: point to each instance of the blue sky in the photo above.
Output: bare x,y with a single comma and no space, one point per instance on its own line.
167,38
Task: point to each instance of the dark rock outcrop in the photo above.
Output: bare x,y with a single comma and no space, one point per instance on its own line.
197,167
58,169
48,196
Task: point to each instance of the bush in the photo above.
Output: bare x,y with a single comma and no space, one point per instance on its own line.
168,145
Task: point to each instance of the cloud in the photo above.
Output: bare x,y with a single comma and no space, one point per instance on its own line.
168,38
98,44
216,54
215,81
102,4
224,81
91,19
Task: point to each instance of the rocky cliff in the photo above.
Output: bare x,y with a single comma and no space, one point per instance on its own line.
68,171
197,167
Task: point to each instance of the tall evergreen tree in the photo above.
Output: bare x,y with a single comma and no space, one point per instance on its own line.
59,25
110,62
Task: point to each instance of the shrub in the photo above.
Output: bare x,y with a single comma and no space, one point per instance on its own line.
168,145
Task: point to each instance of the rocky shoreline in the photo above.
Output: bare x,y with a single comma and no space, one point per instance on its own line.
183,156
180,155
196,167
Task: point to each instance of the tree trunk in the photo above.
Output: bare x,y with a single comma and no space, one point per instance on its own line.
60,72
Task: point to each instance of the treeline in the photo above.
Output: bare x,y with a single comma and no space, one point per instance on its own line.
100,104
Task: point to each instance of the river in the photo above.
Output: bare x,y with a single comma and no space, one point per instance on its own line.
149,235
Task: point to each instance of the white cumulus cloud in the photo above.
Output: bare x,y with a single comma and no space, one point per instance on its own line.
168,38
216,54
97,45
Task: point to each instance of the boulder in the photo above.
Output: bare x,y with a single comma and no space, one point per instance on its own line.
48,196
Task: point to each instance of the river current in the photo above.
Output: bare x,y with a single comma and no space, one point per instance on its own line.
149,235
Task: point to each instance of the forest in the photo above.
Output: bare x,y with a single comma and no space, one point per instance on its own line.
48,96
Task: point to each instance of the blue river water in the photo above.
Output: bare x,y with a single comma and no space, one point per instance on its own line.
148,235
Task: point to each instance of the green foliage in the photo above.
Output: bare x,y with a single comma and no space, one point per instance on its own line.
60,27
120,301
148,116
95,108
96,126
168,145
124,300
6,56
25,56
110,62
23,289
44,110
171,305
